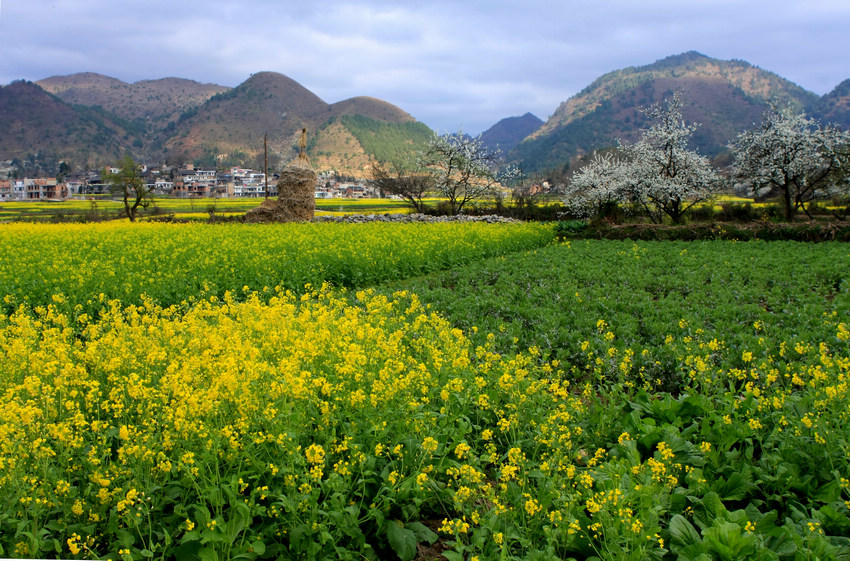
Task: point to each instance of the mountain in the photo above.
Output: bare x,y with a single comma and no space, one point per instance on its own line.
364,129
39,130
372,108
230,125
157,102
724,97
229,128
834,107
509,132
90,120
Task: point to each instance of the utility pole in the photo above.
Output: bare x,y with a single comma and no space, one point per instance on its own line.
266,162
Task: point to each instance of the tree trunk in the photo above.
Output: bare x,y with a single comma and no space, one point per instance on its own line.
789,205
128,210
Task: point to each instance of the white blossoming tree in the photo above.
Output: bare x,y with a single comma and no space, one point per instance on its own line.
460,168
658,172
794,156
525,189
596,187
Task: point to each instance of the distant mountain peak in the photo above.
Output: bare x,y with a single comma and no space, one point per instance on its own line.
834,107
680,59
510,131
373,108
725,96
152,104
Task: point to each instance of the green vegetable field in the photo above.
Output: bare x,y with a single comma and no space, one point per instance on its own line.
420,391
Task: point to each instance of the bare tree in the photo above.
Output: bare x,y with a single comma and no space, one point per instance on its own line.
525,190
128,183
400,180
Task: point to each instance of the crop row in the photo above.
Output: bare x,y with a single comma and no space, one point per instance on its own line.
587,400
87,265
575,300
99,208
333,426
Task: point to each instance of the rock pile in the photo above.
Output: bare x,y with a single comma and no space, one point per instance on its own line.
362,218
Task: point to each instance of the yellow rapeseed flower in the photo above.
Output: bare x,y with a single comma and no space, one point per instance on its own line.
315,454
430,445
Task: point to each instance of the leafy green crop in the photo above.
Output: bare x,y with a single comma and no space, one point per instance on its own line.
590,400
89,264
554,298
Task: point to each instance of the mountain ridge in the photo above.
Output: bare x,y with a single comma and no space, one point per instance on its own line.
180,120
510,131
724,97
30,116
161,98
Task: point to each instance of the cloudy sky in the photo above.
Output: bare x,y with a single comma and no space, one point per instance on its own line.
453,64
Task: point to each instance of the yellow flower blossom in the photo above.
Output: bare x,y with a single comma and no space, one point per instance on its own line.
430,445
462,449
315,454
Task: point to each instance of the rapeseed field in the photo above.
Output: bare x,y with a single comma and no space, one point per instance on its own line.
404,392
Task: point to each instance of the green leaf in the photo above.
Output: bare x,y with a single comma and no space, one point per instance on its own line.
125,538
422,532
402,540
240,517
453,556
188,550
682,532
727,541
829,492
296,537
737,485
258,547
194,535
208,554
713,505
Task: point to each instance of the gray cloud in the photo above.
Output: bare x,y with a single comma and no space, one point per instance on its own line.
450,64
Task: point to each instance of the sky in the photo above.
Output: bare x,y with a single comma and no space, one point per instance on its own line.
452,64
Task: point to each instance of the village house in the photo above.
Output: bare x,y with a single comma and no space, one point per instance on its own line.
167,181
250,183
32,189
6,193
195,182
160,186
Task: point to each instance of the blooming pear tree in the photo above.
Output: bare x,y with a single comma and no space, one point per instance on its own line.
793,155
460,167
596,186
658,172
662,174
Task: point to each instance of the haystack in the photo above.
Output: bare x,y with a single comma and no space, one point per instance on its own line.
296,194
